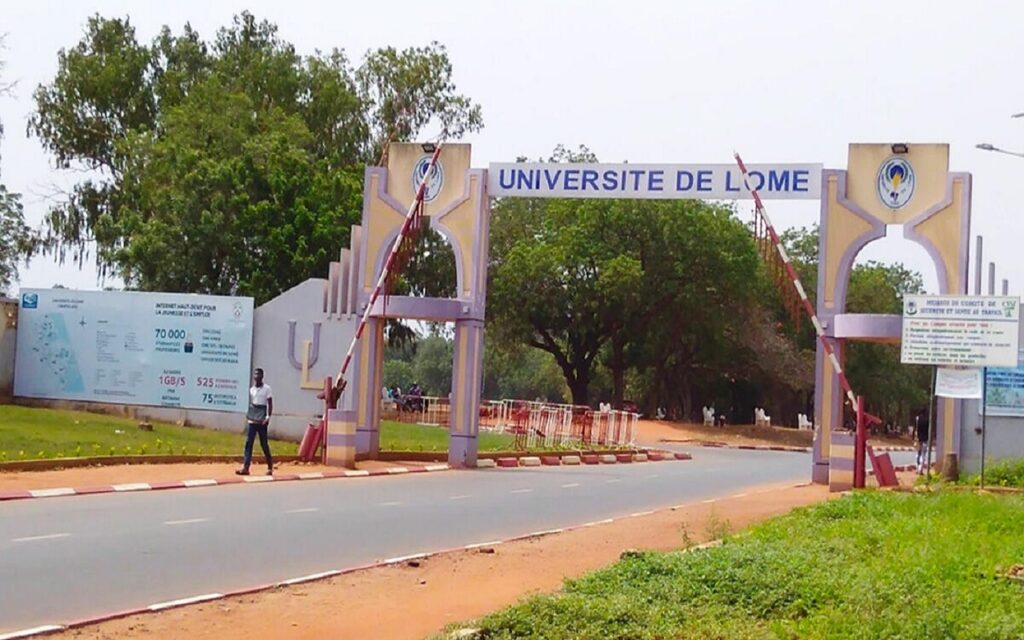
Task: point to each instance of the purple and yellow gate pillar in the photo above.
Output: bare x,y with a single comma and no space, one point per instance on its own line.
464,415
341,438
907,185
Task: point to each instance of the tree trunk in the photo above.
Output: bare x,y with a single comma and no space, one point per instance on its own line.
618,367
579,386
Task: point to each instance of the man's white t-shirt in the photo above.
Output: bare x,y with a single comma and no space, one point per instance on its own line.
260,395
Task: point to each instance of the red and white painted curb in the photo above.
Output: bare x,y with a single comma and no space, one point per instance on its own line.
766,447
590,458
191,484
323,575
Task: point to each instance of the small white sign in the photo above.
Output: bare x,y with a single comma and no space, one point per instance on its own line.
967,331
958,383
653,181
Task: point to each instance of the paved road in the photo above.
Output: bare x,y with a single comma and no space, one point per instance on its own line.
63,559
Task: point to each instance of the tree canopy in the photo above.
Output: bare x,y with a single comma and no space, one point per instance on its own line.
232,166
15,236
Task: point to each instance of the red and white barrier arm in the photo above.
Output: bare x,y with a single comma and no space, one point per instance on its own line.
818,329
389,264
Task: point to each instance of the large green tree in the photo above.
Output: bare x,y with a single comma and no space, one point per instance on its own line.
15,236
229,166
619,283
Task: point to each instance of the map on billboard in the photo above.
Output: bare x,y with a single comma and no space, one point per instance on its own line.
160,349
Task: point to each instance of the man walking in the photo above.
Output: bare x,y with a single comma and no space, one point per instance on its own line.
261,406
922,441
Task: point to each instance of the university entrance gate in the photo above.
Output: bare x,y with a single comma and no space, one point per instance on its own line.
883,184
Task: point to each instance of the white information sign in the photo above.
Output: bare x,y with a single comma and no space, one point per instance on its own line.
958,383
163,349
970,331
652,181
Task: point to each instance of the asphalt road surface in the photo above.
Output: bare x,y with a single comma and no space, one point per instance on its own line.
63,559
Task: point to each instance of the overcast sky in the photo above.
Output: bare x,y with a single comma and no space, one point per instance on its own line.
682,82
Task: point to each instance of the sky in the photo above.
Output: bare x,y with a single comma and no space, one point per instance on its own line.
653,82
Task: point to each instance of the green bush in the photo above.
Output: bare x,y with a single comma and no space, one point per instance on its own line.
1009,473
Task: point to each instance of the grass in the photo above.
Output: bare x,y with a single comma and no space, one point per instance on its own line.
402,436
1009,473
872,565
29,434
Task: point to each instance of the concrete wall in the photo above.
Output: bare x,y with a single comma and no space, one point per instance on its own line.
285,335
1004,436
8,335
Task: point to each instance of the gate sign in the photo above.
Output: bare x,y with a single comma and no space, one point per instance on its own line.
652,181
971,331
162,349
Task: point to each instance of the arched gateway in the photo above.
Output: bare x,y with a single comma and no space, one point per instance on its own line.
883,184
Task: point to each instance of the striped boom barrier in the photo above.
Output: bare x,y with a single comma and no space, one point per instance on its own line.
830,353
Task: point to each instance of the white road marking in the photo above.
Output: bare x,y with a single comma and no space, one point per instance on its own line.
389,504
258,478
462,497
521,491
25,633
740,495
640,513
188,521
358,473
50,493
397,470
483,544
570,485
311,476
132,486
614,480
310,577
199,483
49,536
708,501
303,510
177,603
415,556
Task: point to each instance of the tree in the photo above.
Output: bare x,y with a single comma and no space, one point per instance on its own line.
16,240
232,166
617,282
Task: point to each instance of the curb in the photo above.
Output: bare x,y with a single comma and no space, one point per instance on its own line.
130,487
765,447
42,630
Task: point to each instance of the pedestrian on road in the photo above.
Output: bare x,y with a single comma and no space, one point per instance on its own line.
261,406
922,441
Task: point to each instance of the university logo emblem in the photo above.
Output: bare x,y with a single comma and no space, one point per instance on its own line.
911,308
29,301
896,182
435,182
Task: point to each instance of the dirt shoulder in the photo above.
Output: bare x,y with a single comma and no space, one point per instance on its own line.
653,432
399,602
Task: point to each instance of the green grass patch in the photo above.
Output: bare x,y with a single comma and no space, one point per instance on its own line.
29,434
402,436
872,565
1009,473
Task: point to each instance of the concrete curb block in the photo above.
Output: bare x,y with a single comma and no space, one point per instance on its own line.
529,461
624,458
508,463
764,447
550,461
133,487
655,456
571,460
591,459
682,456
607,458
394,563
486,463
640,457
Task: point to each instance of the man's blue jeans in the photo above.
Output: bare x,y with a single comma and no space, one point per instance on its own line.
250,436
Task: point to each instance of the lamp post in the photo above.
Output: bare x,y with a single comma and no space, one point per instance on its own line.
984,146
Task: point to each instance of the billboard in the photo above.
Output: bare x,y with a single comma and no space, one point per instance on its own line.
160,349
969,331
1004,391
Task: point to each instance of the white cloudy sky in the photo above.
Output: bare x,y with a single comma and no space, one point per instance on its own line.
679,81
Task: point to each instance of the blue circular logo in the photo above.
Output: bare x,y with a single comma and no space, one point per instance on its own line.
434,183
896,182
